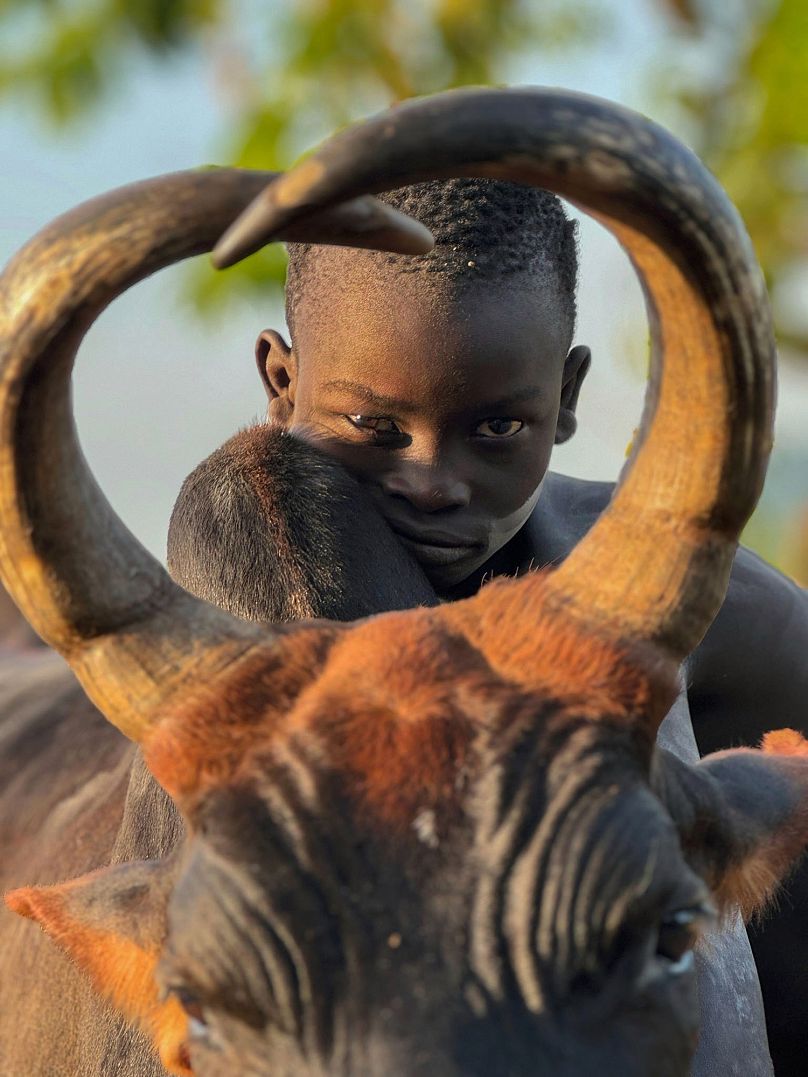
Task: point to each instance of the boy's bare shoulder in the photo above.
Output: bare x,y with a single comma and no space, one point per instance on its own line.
750,673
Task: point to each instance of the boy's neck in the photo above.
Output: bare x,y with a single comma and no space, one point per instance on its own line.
565,511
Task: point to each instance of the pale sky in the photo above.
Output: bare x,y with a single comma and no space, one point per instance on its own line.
156,389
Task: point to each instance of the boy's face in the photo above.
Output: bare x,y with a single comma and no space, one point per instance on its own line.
446,405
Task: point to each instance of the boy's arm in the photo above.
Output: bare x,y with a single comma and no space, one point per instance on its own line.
750,673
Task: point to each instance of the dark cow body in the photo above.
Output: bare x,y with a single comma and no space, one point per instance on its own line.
80,778
69,777
271,529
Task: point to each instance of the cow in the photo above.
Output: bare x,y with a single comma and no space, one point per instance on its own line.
436,839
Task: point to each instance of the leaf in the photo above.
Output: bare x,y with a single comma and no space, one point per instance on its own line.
212,292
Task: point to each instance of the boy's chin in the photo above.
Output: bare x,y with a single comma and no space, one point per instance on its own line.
445,577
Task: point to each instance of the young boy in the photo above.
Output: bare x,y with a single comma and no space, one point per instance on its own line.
442,383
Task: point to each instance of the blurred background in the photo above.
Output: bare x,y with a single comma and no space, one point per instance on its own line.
97,93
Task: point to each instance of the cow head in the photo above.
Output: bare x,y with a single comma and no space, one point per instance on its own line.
441,839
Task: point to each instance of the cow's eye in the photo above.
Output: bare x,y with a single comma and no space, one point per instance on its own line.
197,1020
678,934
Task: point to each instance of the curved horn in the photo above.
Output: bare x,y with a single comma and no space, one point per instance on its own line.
88,587
657,563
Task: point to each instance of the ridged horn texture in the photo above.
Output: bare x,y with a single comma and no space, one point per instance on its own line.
657,564
134,638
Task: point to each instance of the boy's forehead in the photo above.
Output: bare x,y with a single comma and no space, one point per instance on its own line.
360,319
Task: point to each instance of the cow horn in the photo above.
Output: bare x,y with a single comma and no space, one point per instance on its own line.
656,565
133,637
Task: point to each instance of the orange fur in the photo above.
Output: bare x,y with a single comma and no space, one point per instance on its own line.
202,743
399,733
395,729
530,640
120,970
752,884
399,768
784,742
394,699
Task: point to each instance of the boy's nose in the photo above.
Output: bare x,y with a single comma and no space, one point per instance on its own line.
428,489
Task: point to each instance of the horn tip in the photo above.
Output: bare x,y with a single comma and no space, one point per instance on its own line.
399,233
361,222
244,237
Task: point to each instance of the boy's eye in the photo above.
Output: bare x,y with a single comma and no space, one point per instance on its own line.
379,424
498,428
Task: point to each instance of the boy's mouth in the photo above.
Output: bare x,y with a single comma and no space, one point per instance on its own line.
433,546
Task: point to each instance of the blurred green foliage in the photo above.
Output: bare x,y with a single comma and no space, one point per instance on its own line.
308,66
67,54
749,115
305,68
749,118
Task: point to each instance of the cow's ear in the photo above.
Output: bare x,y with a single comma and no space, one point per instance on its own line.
112,923
742,816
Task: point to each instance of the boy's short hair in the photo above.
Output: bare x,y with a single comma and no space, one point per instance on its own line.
484,229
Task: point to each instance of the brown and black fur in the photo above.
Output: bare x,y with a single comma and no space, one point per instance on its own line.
69,777
273,529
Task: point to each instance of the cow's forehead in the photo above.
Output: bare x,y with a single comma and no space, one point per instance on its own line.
386,798
398,704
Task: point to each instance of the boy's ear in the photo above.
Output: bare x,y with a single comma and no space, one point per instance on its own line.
576,367
112,924
277,367
742,816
